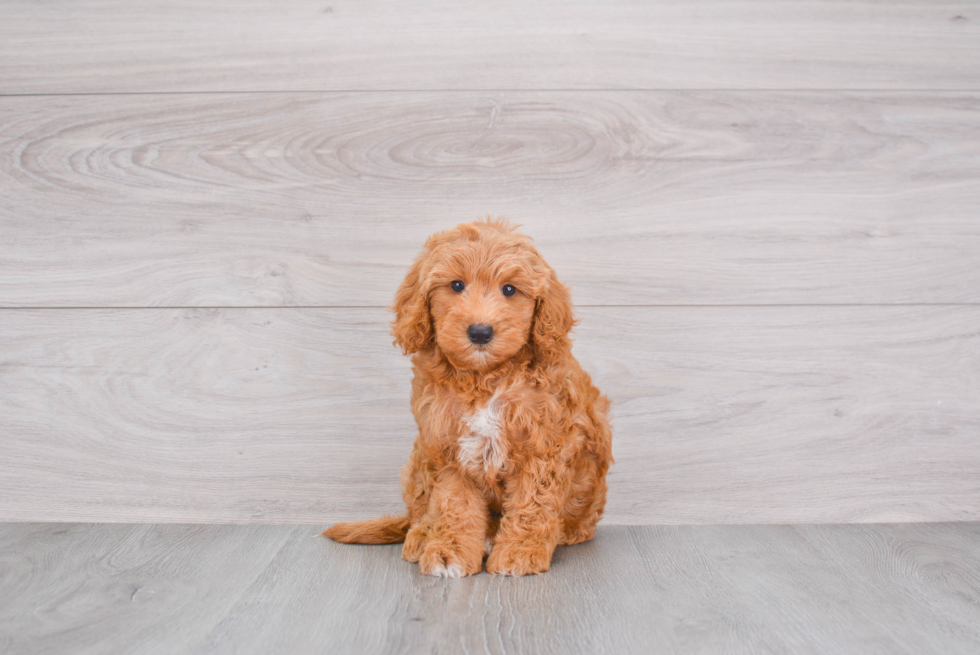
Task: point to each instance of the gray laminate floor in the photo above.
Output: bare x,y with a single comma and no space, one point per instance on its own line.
898,588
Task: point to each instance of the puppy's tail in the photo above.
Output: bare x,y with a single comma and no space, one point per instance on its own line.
384,530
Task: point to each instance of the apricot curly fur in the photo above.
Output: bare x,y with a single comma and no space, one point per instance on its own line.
514,443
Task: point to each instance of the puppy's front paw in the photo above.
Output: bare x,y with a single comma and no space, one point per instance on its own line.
511,559
444,561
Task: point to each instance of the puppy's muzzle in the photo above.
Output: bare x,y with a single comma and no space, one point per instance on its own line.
480,334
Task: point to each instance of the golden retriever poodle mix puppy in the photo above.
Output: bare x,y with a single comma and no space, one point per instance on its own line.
513,444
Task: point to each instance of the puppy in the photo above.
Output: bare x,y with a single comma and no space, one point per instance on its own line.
513,443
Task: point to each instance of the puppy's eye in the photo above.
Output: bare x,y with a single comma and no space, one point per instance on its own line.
457,285
508,290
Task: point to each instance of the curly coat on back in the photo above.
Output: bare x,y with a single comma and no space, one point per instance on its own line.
513,443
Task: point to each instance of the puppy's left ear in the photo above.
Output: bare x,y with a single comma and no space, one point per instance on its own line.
412,327
553,320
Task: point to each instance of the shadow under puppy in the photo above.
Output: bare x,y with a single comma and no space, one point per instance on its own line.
514,443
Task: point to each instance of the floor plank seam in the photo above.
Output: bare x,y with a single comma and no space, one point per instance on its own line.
499,90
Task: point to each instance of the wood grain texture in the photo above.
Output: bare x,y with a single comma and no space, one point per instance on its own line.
720,414
260,589
94,589
736,191
261,45
634,197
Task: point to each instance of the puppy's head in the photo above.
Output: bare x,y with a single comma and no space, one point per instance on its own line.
481,293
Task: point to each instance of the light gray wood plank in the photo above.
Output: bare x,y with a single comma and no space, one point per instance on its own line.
905,563
860,414
94,588
720,414
806,589
634,197
260,45
250,415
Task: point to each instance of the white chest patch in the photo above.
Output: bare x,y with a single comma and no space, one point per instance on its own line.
483,448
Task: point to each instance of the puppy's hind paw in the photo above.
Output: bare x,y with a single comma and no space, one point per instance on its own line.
415,543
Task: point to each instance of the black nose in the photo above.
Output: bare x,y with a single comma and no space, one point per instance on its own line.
480,334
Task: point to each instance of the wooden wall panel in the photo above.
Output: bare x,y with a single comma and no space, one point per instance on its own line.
721,415
93,46
768,213
635,197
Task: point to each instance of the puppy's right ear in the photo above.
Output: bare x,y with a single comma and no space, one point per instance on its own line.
412,327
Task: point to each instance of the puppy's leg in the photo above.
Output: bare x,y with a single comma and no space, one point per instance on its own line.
454,545
585,501
416,539
530,527
418,479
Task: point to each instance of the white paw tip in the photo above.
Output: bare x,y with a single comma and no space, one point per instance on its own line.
451,571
